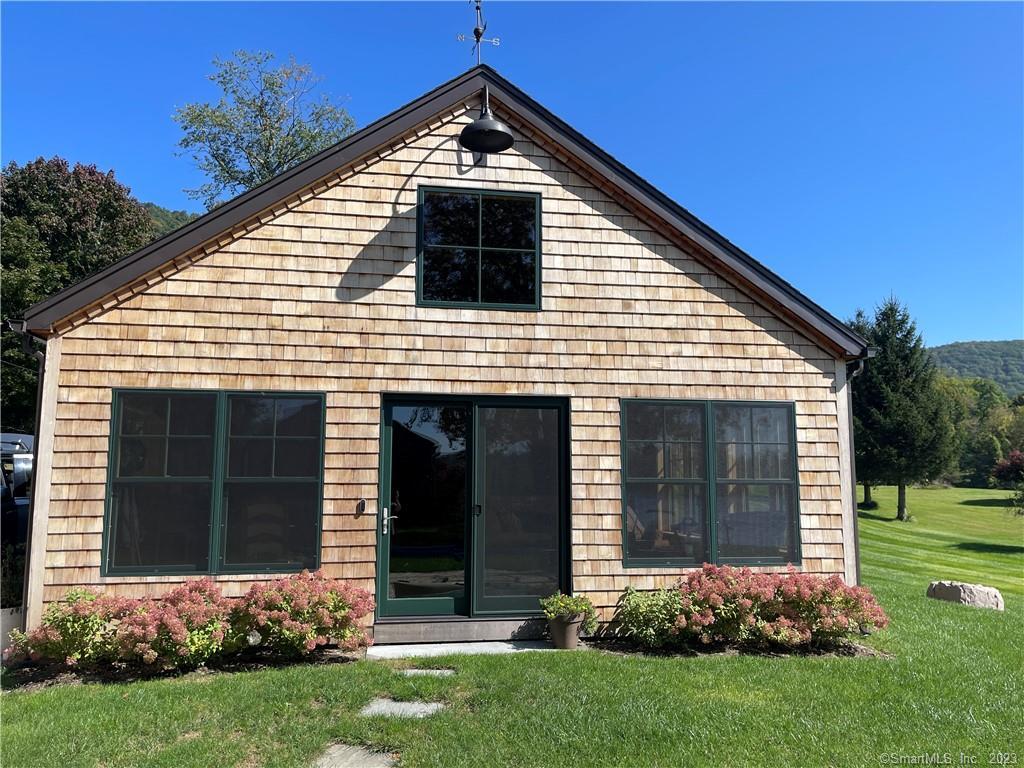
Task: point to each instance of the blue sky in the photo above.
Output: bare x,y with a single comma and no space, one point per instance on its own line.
859,150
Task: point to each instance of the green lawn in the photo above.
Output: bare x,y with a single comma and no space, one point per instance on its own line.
954,685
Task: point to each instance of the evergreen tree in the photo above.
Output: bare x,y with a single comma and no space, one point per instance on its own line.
902,425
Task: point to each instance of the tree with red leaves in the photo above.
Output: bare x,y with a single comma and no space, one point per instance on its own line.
1009,472
58,224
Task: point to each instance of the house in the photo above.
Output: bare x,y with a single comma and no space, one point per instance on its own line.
463,382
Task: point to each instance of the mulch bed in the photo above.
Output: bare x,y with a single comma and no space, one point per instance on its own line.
32,676
841,649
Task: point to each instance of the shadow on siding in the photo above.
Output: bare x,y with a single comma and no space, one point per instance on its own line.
393,249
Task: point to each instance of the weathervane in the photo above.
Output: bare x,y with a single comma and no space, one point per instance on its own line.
486,135
478,33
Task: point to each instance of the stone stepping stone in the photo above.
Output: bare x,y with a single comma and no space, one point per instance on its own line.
346,756
392,708
427,672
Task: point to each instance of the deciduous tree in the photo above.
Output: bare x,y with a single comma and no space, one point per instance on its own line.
1009,473
57,225
267,120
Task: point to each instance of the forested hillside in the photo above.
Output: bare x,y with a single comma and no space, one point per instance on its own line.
1000,361
165,220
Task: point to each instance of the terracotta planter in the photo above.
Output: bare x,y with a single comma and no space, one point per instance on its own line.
565,632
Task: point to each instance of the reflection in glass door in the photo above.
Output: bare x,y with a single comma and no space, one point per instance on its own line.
427,487
519,498
473,506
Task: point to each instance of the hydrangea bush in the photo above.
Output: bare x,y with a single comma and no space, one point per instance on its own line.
186,627
649,618
195,623
297,614
81,629
726,605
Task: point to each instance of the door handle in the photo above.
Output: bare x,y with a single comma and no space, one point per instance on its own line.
385,521
477,510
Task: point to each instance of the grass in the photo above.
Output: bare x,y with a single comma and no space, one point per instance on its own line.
954,684
965,534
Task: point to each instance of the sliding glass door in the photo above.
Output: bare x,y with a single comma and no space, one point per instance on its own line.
519,493
476,493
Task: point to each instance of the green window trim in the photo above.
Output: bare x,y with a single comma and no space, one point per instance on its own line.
709,482
218,481
481,193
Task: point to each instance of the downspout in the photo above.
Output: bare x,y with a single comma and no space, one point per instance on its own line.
850,376
30,348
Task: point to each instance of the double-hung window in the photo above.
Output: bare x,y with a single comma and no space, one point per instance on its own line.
204,481
479,248
709,482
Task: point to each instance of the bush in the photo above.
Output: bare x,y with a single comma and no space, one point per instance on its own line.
299,613
186,627
80,630
1009,472
649,618
194,623
726,605
559,606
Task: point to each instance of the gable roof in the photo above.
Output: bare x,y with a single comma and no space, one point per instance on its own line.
40,318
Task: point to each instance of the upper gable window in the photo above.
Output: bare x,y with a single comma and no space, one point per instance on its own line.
479,248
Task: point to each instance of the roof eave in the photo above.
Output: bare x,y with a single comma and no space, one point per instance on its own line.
852,344
40,318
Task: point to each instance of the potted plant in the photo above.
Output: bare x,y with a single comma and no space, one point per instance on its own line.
567,617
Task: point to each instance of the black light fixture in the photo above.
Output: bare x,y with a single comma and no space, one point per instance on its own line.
486,134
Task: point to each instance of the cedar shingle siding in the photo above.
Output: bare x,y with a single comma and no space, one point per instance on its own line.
320,296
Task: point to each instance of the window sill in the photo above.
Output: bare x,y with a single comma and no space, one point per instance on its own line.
777,562
662,563
477,305
255,571
693,564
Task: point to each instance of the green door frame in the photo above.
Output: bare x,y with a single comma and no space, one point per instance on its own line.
516,605
416,606
440,607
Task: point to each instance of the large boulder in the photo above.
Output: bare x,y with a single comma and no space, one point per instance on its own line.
977,595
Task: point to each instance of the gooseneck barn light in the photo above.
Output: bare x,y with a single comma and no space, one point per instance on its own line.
487,134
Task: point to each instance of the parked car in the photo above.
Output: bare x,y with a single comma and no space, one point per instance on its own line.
15,498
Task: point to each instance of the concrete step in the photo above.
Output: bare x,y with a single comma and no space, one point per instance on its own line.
420,630
426,650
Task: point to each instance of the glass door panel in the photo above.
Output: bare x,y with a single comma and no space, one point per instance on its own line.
426,488
519,495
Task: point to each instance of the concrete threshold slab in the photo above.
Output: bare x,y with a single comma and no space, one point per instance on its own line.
346,756
424,650
392,708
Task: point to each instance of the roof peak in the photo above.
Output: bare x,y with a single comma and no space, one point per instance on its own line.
41,318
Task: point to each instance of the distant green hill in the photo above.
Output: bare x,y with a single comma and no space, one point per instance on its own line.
1001,361
165,220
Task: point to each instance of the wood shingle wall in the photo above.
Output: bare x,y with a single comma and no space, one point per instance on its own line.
321,296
